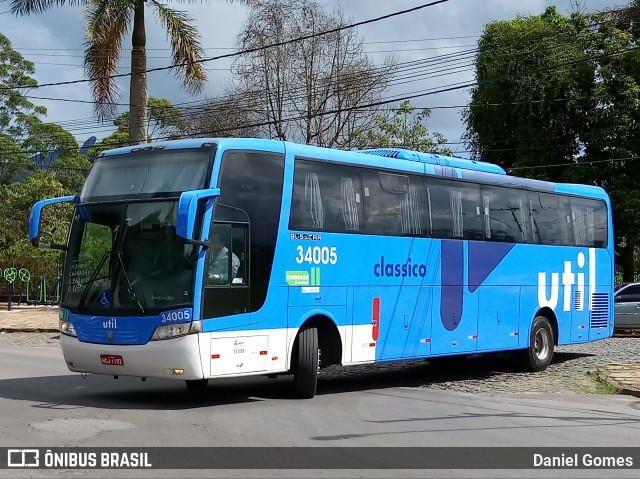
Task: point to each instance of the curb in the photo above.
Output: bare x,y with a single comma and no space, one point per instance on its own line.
29,330
630,392
624,375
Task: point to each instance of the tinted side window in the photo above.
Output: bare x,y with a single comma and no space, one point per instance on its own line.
326,198
455,209
589,222
383,196
630,294
631,290
505,213
251,181
551,219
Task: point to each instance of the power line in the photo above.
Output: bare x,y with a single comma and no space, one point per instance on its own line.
380,42
250,50
405,66
575,163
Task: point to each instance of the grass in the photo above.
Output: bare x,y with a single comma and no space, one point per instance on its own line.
602,385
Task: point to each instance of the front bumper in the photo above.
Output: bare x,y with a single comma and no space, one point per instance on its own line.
157,359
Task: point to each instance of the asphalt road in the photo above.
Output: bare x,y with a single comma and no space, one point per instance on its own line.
44,405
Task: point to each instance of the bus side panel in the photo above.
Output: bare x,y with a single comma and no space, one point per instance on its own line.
392,322
498,317
454,324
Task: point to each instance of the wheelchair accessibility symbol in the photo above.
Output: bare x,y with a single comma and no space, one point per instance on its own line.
105,298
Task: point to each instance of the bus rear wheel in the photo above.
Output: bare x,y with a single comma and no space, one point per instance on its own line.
305,364
538,356
196,384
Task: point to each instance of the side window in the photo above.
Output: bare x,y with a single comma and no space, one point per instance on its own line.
589,222
383,197
239,247
455,209
414,209
228,255
326,198
441,220
630,294
221,259
551,218
505,214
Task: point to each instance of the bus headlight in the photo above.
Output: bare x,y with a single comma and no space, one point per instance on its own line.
168,331
67,328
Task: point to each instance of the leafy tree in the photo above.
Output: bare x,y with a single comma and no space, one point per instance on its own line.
310,90
404,128
16,201
165,122
535,92
614,127
15,108
71,170
70,167
13,160
116,139
108,22
566,106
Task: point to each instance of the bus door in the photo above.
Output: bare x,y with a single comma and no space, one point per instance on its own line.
226,282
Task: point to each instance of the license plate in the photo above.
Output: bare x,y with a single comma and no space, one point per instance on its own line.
112,359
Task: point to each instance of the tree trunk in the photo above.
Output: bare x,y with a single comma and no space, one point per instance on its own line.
627,262
138,86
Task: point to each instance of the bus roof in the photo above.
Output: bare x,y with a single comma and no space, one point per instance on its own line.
431,158
441,165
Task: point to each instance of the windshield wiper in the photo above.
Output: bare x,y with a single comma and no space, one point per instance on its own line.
85,290
130,288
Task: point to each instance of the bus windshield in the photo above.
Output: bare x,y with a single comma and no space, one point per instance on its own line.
145,173
125,258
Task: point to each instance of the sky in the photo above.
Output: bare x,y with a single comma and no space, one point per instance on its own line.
54,42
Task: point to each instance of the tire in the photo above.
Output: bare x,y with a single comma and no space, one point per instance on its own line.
198,385
539,354
305,364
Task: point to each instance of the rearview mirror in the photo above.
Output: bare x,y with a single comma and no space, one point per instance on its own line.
187,210
36,218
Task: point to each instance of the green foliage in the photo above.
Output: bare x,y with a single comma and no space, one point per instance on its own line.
614,128
601,384
166,122
116,139
71,167
15,108
47,137
527,67
404,128
559,99
71,170
12,160
17,200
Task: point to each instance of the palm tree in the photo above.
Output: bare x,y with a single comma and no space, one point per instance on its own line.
108,21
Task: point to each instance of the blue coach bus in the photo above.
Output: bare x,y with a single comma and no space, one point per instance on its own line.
213,258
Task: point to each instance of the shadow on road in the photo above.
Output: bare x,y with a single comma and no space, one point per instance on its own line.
72,391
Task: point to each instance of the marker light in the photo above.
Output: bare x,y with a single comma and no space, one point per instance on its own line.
169,331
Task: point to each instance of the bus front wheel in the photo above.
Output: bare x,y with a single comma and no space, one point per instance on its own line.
539,354
305,363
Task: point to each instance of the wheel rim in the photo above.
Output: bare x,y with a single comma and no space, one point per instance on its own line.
541,344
